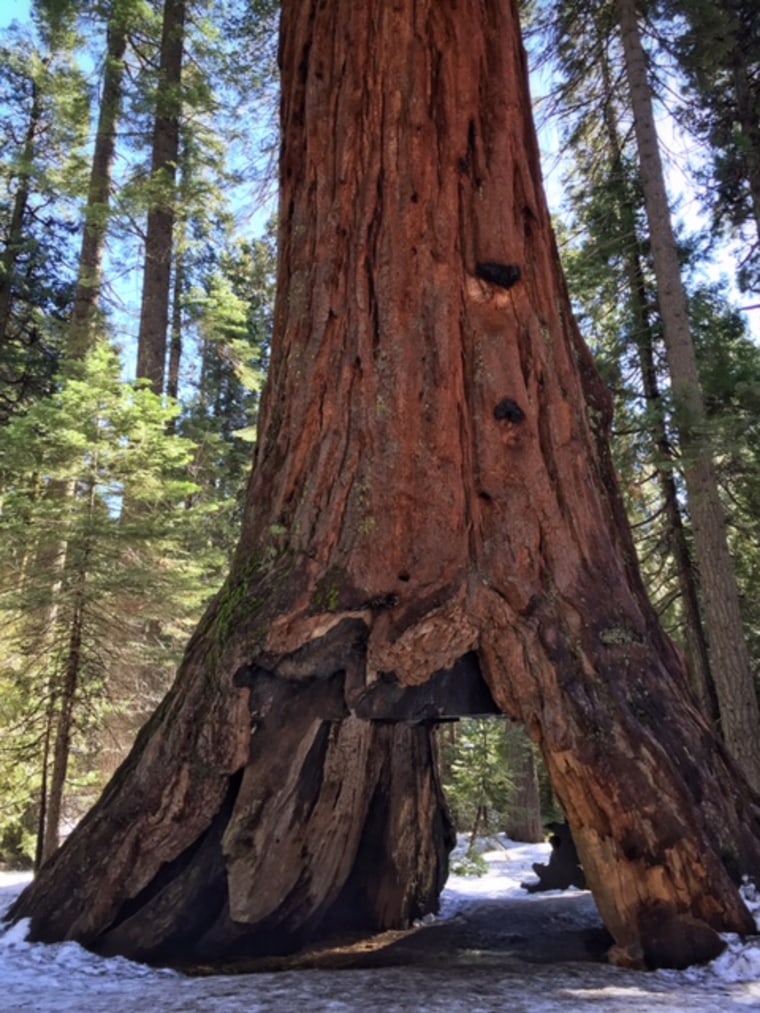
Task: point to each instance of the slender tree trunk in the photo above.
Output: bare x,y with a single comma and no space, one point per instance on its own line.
79,340
524,823
15,241
697,654
52,559
694,635
90,277
39,844
730,664
175,345
432,519
64,724
67,684
154,311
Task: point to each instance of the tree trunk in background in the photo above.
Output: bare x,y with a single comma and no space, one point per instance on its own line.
76,570
15,240
730,663
740,26
52,559
67,694
179,281
154,311
79,341
90,279
432,509
697,655
525,823
175,345
700,675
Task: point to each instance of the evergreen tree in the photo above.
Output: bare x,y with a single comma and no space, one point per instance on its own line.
120,570
478,784
202,81
719,54
630,225
233,332
731,669
159,234
44,117
232,318
82,330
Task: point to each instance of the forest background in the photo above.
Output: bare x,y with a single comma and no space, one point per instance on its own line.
137,197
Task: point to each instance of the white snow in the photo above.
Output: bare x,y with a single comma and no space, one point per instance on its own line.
66,978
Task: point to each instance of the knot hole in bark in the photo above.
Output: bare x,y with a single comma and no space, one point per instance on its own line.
502,275
508,410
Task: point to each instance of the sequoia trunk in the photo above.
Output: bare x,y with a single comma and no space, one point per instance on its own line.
432,527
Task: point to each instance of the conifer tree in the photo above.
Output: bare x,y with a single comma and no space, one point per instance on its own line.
719,54
154,312
91,438
44,110
84,317
732,673
639,238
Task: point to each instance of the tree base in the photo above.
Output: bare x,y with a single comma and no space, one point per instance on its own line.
332,826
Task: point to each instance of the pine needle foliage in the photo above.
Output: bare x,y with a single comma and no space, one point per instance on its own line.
80,576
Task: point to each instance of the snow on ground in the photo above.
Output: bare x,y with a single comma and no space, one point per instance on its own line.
64,978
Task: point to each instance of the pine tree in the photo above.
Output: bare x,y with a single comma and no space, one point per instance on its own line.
719,54
44,116
731,669
92,438
82,328
479,785
154,312
639,240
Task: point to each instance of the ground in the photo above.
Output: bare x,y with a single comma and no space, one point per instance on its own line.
493,947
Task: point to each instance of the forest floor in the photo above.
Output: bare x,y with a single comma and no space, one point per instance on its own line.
493,947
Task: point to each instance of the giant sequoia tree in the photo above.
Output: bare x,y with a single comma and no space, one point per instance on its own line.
432,525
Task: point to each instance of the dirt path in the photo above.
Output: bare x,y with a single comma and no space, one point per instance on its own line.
556,928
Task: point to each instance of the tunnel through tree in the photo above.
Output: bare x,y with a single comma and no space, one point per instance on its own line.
432,505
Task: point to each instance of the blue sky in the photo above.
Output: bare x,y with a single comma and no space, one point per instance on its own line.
723,269
12,9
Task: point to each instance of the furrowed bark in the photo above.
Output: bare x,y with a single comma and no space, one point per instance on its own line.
432,526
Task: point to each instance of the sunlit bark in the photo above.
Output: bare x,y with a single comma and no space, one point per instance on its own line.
432,522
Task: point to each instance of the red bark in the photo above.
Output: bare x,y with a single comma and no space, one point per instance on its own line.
432,504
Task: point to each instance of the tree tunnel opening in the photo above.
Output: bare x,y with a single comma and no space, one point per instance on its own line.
473,741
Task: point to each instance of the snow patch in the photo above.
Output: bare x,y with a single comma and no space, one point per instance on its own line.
15,935
751,897
65,978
